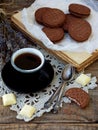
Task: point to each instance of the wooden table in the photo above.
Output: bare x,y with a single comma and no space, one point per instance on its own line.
69,117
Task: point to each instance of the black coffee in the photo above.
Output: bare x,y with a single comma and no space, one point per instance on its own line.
27,61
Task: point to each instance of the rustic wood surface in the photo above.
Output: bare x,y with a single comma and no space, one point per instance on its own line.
69,117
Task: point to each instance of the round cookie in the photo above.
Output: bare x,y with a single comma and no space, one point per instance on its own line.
54,34
39,12
79,96
79,30
53,18
69,19
79,10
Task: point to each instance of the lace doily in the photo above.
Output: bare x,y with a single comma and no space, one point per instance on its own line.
38,99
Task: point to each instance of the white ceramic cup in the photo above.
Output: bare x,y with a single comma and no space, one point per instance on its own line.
32,51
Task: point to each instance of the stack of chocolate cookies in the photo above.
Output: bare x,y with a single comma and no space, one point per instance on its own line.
53,20
56,23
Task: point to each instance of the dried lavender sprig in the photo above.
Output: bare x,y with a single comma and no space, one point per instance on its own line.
13,35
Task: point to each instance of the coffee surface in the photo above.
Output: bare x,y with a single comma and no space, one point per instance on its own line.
27,61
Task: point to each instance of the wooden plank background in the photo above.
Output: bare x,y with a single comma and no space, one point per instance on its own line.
69,117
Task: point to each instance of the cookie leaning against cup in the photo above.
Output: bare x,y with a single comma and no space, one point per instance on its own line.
53,18
79,30
79,96
79,10
54,34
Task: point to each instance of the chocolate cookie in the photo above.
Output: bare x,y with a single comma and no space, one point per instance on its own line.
54,34
79,96
69,19
79,10
79,30
39,12
53,18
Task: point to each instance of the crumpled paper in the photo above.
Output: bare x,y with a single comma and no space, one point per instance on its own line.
67,44
92,3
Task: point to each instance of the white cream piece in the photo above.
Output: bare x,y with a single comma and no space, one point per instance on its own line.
9,99
83,79
27,111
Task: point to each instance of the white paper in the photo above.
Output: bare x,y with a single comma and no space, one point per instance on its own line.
67,43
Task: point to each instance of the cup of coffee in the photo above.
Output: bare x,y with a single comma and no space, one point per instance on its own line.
27,60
